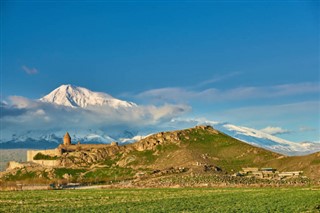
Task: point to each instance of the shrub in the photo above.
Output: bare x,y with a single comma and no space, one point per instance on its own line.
41,156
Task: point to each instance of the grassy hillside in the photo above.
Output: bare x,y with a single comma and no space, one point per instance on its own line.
207,146
200,146
310,164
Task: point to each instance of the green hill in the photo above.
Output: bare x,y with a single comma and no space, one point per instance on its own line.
201,145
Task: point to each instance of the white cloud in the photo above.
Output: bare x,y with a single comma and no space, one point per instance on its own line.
306,129
193,121
22,102
29,71
40,112
29,115
274,130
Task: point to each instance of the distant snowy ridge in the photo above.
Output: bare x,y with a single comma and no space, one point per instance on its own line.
267,141
41,140
73,96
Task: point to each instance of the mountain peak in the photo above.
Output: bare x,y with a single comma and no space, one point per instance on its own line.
74,96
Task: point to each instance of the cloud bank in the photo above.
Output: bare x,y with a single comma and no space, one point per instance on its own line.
20,115
24,115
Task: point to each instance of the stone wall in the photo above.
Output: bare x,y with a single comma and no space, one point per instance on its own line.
50,163
85,147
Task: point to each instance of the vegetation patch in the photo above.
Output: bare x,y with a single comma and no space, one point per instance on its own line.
145,157
111,161
167,147
21,174
40,156
60,172
315,161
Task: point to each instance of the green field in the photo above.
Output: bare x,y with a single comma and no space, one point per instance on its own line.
164,200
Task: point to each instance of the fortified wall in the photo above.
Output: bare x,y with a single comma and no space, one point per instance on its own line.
51,152
66,146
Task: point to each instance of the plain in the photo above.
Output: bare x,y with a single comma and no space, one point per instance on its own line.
164,200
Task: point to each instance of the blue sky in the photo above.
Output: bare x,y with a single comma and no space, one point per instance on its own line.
250,63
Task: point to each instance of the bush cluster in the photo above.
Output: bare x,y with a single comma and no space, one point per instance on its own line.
41,156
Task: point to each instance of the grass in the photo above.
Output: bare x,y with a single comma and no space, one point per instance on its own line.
28,175
145,157
108,162
59,172
164,200
113,174
315,161
167,147
232,154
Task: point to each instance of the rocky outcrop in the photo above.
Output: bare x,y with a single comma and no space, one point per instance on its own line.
150,143
80,158
14,165
175,137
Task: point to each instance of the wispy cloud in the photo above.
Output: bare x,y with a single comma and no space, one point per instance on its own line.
216,79
177,94
306,129
273,130
29,71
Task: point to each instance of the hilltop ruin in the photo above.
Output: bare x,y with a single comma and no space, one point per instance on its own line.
57,157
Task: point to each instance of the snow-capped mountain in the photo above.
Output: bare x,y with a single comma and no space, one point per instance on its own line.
73,96
267,141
